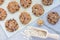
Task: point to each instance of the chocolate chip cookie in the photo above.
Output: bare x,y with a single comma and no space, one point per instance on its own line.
25,18
3,14
11,25
53,17
25,3
13,6
1,2
37,10
47,2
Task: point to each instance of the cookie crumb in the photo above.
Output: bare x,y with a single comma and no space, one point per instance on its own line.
40,22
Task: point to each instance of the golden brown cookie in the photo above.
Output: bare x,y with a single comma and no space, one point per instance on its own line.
37,10
53,17
25,3
11,25
13,6
1,2
25,18
3,14
47,2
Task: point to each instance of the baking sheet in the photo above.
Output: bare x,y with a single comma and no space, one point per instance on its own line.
29,10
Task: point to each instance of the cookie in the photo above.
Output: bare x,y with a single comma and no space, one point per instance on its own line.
13,6
11,25
47,2
1,2
37,10
25,3
25,18
53,17
3,14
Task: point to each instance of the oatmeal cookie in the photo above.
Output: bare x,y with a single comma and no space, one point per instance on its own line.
13,6
25,3
37,9
25,18
47,2
11,25
3,14
53,17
